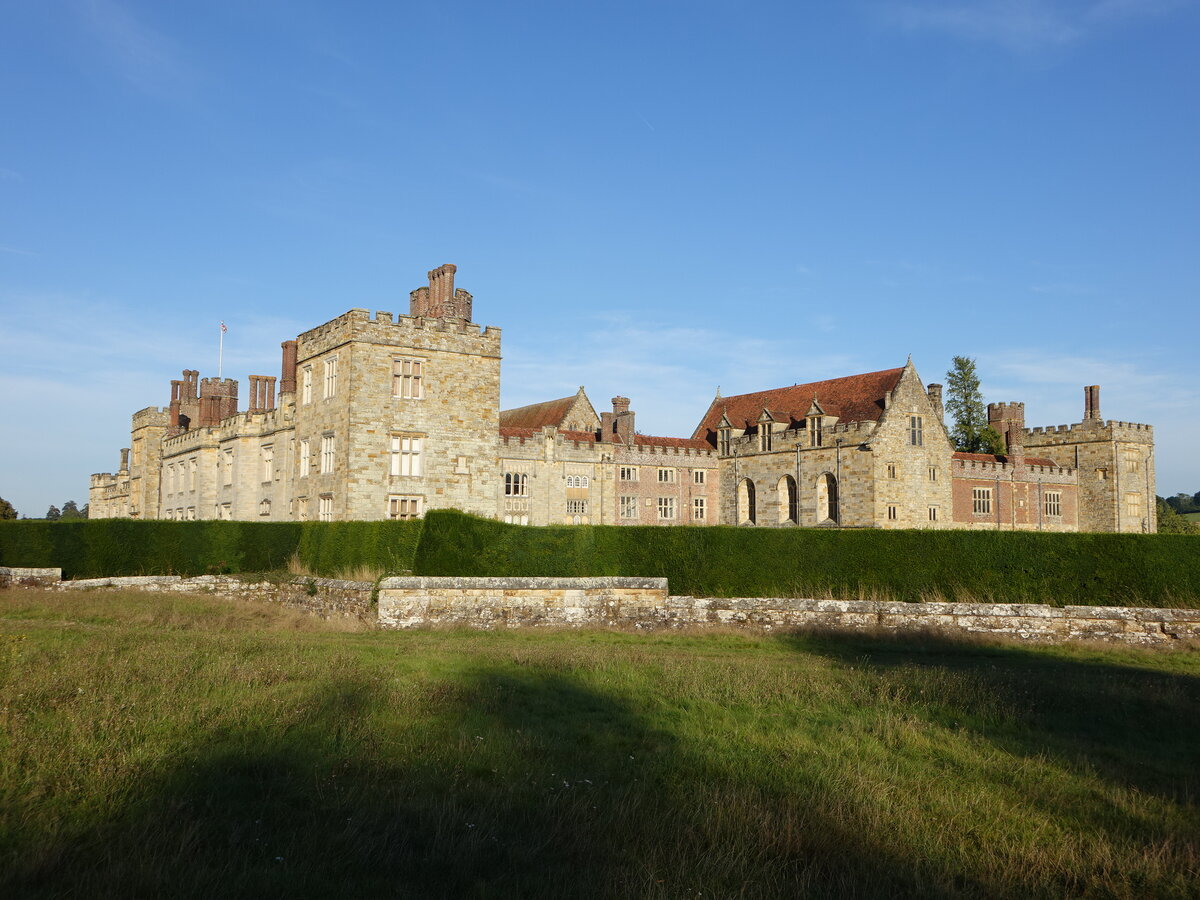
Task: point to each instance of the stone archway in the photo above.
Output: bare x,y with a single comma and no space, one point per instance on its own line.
746,505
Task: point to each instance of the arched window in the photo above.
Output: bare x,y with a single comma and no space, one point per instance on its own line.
746,503
789,506
827,499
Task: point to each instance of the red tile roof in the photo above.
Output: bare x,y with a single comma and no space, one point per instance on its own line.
646,440
578,435
991,458
551,412
855,398
508,431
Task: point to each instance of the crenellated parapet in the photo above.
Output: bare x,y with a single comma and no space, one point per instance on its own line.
415,332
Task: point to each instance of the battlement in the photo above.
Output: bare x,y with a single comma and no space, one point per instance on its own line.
978,468
407,331
151,416
1093,430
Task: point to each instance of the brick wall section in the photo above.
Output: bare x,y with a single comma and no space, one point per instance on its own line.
1018,496
547,457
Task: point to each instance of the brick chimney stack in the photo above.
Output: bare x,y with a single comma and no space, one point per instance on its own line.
441,300
262,393
1091,403
287,375
1008,419
935,400
623,420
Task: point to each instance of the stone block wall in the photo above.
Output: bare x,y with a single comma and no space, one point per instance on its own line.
643,603
25,577
513,602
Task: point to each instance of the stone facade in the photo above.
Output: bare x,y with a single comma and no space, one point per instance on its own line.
382,416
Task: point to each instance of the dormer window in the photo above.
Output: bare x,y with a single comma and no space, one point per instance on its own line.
814,431
765,435
725,441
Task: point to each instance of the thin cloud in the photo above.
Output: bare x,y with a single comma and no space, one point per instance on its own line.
1023,25
145,57
11,175
16,251
670,373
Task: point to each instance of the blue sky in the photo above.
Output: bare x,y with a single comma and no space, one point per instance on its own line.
650,198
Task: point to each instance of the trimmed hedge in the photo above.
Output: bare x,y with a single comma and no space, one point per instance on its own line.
328,548
714,561
717,561
98,547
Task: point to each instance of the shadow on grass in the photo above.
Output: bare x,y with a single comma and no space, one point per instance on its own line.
1135,727
532,784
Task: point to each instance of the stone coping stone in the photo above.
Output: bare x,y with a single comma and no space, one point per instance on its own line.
208,581
18,572
898,608
455,583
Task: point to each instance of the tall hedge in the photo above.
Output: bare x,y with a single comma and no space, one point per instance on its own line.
98,547
715,561
330,548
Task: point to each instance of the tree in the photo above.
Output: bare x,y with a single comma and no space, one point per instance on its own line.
6,510
53,514
964,402
70,510
1171,522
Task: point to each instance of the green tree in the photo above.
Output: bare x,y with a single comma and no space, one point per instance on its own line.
53,514
6,510
964,401
70,510
1171,522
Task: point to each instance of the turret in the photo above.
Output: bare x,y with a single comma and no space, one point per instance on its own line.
1008,420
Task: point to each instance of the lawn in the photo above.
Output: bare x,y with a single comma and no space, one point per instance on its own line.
201,747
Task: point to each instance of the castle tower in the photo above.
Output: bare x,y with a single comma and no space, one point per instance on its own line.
398,415
1008,420
1115,464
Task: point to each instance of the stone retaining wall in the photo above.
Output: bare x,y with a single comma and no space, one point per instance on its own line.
510,602
643,603
10,577
325,597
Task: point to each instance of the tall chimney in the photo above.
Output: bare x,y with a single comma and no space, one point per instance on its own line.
935,400
124,460
623,419
287,377
1091,403
270,385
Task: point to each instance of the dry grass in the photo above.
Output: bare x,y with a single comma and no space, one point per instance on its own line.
217,750
361,573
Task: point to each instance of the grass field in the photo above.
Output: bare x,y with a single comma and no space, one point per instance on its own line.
1192,516
192,746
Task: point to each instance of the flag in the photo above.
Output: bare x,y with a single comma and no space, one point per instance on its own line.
223,328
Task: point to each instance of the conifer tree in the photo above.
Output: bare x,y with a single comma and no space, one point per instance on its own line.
964,401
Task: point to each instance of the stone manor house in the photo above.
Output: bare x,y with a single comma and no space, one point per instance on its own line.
382,416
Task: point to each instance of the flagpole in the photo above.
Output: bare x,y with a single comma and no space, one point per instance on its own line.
221,350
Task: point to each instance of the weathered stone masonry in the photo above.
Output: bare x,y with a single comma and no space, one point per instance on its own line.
382,416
